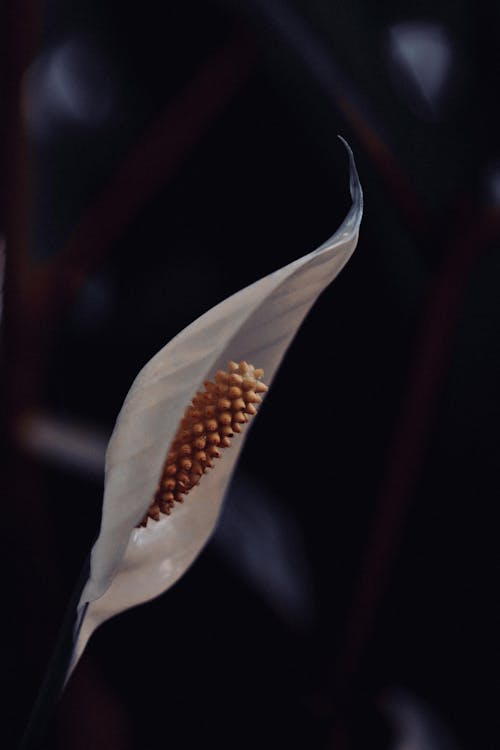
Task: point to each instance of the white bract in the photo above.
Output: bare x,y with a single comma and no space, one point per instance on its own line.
131,565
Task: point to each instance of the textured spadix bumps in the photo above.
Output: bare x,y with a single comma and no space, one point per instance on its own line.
210,421
131,564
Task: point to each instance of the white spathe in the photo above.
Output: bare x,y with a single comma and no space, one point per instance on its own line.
131,565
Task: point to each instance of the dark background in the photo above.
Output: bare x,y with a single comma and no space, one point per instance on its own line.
157,158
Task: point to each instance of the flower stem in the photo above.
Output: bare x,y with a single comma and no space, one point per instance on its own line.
55,677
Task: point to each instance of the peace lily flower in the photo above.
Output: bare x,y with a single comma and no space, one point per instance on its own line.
174,447
133,563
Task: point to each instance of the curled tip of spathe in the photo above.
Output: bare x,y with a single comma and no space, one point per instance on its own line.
354,184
